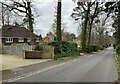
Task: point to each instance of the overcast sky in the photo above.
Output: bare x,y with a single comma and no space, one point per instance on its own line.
46,9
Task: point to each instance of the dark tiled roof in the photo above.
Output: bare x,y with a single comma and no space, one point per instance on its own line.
16,31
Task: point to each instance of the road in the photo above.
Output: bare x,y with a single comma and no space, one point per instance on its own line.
98,67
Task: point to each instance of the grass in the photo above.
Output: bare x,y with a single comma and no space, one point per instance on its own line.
118,63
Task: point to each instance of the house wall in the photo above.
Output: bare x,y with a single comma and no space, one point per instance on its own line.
15,40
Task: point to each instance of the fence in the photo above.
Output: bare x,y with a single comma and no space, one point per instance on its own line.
16,50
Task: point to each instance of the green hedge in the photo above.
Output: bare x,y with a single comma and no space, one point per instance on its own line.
64,49
90,48
118,49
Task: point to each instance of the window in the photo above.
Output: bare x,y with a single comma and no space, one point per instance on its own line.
9,40
28,40
20,39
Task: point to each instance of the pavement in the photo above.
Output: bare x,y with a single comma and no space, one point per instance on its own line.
98,67
15,61
11,74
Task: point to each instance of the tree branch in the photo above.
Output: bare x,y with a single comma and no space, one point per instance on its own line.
12,8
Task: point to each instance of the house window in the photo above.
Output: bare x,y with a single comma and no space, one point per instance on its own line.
20,39
37,39
28,40
9,40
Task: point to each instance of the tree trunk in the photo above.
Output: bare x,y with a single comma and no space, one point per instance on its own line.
92,19
58,30
30,22
84,30
89,35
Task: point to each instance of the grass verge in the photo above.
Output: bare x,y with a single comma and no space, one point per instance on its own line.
118,59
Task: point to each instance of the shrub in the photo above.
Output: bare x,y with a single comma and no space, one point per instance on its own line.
64,49
88,49
95,48
114,45
118,49
38,47
80,49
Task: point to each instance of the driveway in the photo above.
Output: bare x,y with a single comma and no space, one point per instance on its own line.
15,61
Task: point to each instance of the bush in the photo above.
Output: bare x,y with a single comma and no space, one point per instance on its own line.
64,49
80,49
38,47
88,49
118,49
95,48
114,45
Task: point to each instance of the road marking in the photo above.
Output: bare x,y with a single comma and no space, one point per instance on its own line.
33,73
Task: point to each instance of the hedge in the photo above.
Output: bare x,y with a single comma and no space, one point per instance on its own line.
90,48
64,49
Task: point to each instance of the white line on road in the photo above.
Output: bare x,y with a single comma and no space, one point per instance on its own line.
33,73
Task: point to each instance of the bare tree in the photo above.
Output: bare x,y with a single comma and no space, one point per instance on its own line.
23,6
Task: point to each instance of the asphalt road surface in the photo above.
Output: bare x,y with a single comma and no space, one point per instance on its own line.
98,67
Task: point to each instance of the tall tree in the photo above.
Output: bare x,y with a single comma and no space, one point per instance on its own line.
58,30
54,25
92,16
84,10
114,7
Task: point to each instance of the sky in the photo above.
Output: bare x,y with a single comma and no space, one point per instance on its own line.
46,9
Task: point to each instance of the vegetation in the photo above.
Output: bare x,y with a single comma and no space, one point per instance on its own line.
118,57
64,49
38,47
91,15
21,9
58,30
114,7
118,63
92,22
118,49
90,48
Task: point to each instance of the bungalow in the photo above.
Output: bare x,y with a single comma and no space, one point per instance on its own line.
16,34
